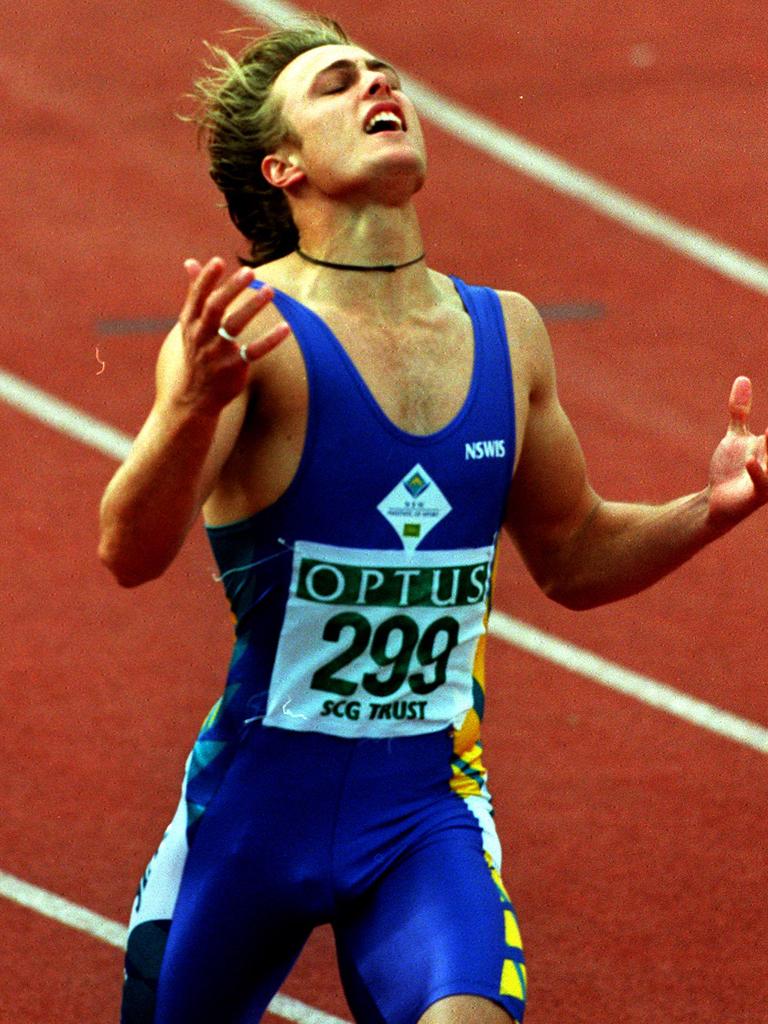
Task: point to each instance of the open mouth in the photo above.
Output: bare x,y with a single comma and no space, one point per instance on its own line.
385,121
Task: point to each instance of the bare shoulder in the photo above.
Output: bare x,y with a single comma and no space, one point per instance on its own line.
525,326
530,347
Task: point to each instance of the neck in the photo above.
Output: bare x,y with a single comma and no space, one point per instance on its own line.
368,237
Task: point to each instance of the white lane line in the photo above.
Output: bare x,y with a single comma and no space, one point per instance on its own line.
558,174
63,417
294,1009
62,910
632,684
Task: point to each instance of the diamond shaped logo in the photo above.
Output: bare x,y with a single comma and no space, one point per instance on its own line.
416,484
414,507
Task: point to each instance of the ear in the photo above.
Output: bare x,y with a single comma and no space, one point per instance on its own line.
282,171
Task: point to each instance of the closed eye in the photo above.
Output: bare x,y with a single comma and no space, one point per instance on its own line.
339,87
335,80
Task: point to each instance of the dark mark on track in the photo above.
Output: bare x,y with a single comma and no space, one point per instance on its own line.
572,311
148,325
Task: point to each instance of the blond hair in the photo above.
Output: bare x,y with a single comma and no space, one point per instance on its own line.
241,123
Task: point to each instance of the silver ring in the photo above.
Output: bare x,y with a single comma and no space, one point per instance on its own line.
224,333
243,350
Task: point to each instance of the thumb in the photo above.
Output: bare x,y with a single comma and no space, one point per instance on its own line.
740,405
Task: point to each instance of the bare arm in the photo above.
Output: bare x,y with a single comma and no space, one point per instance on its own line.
201,397
585,551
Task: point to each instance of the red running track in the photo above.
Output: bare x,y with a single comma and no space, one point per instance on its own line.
635,843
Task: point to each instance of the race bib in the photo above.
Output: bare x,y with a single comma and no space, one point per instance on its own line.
378,643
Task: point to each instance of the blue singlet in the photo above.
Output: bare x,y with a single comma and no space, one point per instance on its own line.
340,778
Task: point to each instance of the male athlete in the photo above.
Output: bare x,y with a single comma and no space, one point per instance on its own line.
357,428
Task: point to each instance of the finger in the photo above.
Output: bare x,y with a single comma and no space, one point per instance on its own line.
759,476
201,285
740,405
193,268
237,319
218,300
261,346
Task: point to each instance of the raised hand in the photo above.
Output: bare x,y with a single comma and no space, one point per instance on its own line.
211,320
738,472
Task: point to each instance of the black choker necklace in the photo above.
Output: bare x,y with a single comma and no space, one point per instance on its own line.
387,268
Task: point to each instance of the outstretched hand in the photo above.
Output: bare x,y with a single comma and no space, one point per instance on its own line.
738,472
211,321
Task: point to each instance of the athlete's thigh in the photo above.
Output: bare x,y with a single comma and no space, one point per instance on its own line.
246,905
225,969
217,922
437,924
